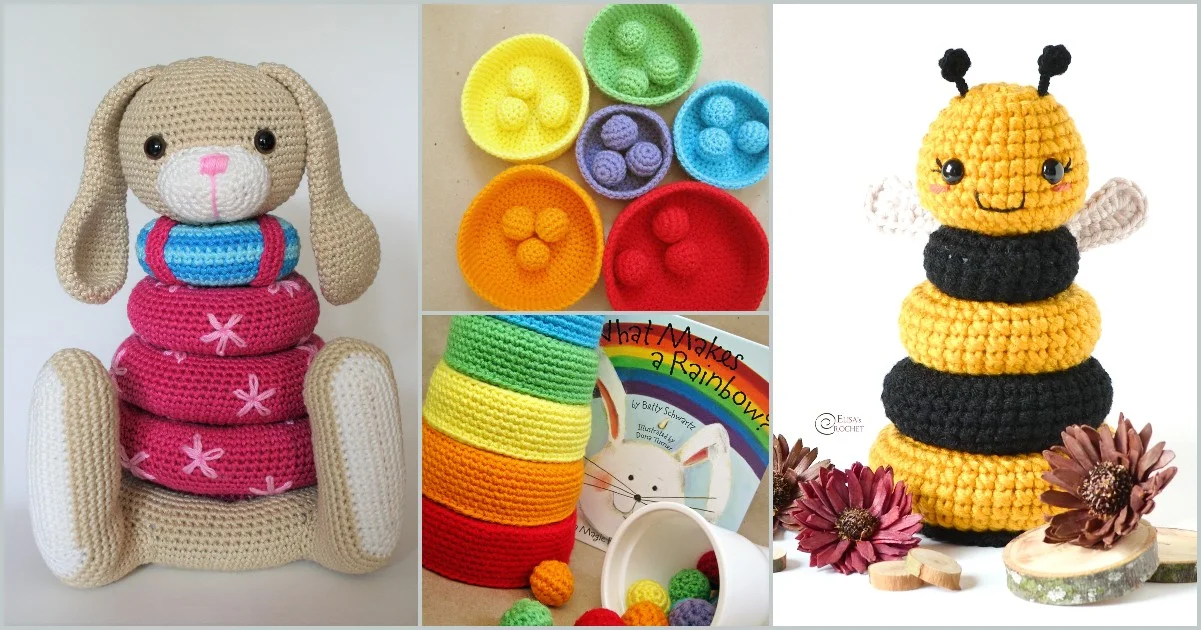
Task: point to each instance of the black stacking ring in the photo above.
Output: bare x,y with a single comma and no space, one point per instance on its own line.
982,268
966,538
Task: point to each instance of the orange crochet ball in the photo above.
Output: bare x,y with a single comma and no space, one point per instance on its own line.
645,614
552,582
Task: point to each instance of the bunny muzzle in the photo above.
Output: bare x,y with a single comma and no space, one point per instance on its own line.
214,184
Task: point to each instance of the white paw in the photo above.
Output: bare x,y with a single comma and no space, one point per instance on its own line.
51,501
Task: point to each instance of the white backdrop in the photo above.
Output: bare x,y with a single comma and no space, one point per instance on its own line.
856,87
59,61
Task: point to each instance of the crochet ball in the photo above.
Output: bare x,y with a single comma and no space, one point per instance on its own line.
692,612
663,70
533,254
551,225
552,111
644,614
522,82
600,617
632,81
630,37
552,582
751,137
648,591
619,133
670,225
609,168
683,259
644,159
713,142
632,267
517,223
718,111
512,113
708,565
527,612
688,584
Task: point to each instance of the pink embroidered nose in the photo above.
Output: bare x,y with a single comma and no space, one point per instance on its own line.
214,164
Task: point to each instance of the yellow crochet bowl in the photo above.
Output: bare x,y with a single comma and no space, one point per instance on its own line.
531,240
525,99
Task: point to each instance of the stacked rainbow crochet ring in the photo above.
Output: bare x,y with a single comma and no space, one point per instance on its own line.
212,380
507,417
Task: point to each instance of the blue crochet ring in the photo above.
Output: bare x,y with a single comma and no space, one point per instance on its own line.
721,135
581,330
218,255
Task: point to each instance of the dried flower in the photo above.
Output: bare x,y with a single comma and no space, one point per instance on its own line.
1107,480
790,467
854,518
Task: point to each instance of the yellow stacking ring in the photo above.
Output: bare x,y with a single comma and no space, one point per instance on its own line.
505,422
988,338
964,491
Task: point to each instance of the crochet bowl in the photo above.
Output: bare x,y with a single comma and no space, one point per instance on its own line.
531,240
686,246
624,151
525,99
721,135
645,54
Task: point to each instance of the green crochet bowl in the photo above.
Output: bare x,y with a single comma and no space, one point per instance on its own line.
643,54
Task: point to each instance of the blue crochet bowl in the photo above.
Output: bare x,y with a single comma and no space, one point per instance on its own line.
624,151
721,135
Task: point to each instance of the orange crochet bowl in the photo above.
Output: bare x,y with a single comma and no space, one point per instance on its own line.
531,240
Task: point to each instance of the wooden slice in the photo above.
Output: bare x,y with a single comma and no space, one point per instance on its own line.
891,575
1064,574
1177,556
933,567
779,558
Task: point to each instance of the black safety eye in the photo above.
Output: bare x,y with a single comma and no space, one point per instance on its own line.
655,488
631,477
1053,171
952,171
155,147
264,141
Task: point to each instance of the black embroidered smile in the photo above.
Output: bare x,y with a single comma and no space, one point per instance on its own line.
986,208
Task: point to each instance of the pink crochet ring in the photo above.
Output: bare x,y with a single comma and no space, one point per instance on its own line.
224,321
228,462
213,390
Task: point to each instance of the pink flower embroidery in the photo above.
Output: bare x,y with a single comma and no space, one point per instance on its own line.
201,458
271,488
116,371
131,463
254,398
288,286
223,333
170,288
310,350
179,356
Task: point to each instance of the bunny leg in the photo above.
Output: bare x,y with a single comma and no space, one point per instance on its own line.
351,398
75,473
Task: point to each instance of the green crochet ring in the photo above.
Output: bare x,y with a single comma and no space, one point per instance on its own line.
644,54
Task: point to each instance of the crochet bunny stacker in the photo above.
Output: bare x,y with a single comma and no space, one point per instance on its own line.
222,408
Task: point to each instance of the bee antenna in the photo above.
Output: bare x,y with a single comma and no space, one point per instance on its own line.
954,65
1052,63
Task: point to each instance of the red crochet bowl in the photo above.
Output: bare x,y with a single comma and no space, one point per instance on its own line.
686,246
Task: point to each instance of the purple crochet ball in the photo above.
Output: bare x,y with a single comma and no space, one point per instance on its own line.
691,612
609,168
619,133
644,159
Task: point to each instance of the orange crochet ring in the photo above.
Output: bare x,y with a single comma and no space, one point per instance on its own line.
531,240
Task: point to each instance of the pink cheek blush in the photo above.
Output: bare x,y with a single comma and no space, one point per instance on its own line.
1062,187
939,188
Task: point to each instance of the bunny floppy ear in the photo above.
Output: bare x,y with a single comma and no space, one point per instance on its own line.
712,444
613,393
345,243
92,253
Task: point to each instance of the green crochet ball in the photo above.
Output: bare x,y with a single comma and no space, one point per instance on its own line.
688,584
527,612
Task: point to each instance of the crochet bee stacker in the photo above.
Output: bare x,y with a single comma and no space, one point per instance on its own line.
999,337
246,442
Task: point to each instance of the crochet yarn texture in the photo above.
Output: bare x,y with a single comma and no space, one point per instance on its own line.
624,151
645,54
721,135
255,253
552,582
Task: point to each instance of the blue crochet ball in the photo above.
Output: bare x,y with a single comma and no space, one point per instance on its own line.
619,132
644,159
751,137
713,142
609,168
718,111
691,612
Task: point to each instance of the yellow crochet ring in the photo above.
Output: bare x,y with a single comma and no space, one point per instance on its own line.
964,491
531,240
989,338
505,422
525,99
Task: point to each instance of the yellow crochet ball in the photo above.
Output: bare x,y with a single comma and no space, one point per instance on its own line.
517,223
512,113
533,254
644,614
552,582
552,111
551,225
648,591
522,82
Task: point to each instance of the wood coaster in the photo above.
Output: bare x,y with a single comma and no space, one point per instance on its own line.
1065,575
891,575
779,558
1177,556
933,567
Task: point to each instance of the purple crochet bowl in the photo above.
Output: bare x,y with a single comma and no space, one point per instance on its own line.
624,151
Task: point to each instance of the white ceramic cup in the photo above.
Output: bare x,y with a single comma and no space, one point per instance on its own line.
661,539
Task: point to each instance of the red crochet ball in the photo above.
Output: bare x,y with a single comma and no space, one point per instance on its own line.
708,565
600,617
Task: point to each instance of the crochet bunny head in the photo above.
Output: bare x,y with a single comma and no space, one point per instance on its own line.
1003,159
204,141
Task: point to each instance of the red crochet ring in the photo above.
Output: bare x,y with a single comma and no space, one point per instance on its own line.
686,246
228,462
213,390
224,321
486,554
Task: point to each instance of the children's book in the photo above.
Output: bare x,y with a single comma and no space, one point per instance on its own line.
680,414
